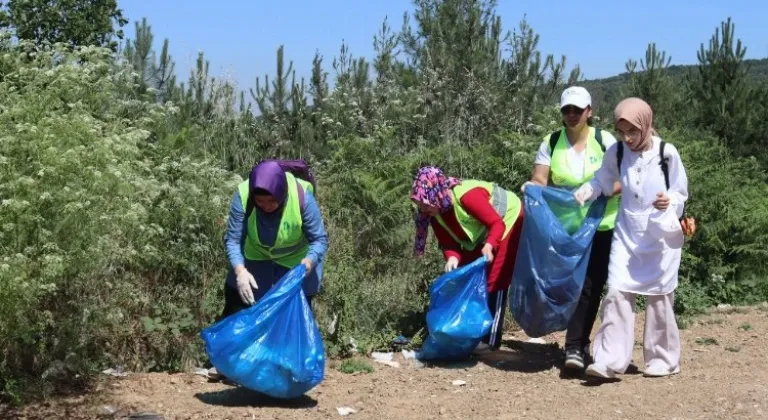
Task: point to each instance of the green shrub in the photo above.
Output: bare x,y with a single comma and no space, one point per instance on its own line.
726,261
110,248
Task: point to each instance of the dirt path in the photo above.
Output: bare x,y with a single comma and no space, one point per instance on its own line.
723,377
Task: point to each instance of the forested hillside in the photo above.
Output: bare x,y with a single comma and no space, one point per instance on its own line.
604,91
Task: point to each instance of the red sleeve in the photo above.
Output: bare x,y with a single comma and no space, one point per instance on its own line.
450,247
477,203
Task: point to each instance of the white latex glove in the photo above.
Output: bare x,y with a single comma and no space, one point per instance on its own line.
527,183
583,193
451,264
245,281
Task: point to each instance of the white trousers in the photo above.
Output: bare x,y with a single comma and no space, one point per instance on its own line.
615,338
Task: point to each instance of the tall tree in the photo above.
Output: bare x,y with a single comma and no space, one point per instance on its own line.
76,22
652,82
275,98
455,51
155,74
720,92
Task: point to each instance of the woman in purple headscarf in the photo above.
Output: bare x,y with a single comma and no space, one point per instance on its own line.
274,225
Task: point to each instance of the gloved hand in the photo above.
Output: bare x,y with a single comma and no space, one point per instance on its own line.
451,264
245,282
583,194
488,252
527,183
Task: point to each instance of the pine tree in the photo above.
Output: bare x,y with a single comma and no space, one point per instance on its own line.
652,83
720,92
153,74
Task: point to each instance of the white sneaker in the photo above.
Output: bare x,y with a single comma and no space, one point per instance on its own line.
600,371
658,371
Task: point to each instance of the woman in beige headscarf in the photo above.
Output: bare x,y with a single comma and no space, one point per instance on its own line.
647,244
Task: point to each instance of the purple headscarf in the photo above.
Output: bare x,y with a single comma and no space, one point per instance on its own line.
269,176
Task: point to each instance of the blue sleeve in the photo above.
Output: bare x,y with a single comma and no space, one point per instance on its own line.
234,233
314,229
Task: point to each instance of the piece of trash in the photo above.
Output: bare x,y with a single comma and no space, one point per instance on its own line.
409,354
109,410
459,382
115,372
388,357
385,359
201,372
401,341
388,363
536,341
345,411
145,415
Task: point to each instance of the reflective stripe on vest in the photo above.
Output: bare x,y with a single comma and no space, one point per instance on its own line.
506,204
561,175
291,245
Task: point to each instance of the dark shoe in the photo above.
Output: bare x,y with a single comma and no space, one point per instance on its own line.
574,359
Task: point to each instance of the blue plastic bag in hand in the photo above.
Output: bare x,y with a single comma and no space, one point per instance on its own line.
273,347
551,264
458,316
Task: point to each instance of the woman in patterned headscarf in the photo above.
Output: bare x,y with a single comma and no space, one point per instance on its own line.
471,219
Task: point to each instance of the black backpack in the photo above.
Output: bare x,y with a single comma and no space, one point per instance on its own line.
554,137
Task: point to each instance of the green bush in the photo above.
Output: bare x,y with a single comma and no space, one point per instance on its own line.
725,261
110,246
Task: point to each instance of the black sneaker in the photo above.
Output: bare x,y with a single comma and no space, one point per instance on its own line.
574,359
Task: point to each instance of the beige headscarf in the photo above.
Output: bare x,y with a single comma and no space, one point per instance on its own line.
638,113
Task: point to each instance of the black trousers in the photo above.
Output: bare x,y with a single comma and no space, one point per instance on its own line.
233,303
580,325
497,304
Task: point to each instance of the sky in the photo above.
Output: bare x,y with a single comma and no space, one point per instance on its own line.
240,38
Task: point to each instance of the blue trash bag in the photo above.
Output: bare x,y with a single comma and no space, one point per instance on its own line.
551,263
458,316
273,347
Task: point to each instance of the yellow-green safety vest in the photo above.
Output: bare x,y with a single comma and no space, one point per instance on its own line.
291,245
561,176
506,204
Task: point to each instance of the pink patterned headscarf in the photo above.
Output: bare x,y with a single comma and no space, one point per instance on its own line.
430,187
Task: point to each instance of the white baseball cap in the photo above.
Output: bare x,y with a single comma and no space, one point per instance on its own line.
576,96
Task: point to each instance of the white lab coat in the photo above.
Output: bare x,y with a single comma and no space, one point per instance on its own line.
640,262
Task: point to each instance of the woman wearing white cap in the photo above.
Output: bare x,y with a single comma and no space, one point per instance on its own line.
646,249
568,158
